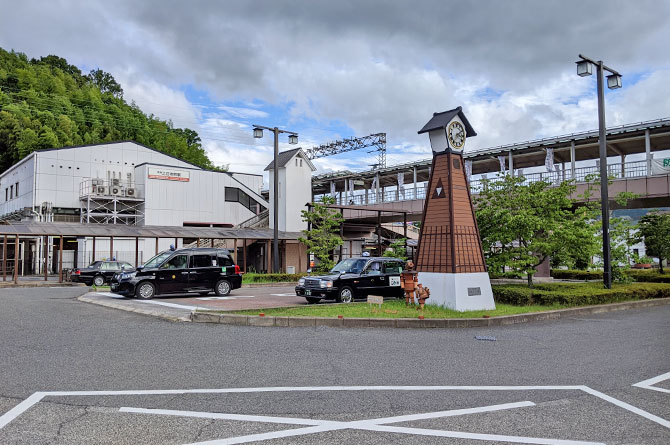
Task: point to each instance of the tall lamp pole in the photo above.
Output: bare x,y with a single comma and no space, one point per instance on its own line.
292,139
585,68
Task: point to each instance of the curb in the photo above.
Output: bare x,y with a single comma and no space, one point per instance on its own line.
39,284
297,321
268,284
133,310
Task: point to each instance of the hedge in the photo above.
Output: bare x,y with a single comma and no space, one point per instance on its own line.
265,278
577,294
639,275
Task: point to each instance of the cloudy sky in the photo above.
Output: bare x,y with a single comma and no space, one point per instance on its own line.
333,69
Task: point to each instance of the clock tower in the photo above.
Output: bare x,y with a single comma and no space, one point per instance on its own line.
450,260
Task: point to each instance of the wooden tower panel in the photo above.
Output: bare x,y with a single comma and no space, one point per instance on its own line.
449,240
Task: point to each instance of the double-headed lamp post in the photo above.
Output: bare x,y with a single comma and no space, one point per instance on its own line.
292,139
585,68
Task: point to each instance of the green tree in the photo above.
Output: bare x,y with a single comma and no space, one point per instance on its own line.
654,230
322,237
397,249
105,82
47,102
521,225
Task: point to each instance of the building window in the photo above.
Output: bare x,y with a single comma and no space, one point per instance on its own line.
17,188
296,162
232,194
235,195
300,162
6,194
11,192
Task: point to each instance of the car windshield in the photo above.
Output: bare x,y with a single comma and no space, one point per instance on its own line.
156,260
349,266
95,264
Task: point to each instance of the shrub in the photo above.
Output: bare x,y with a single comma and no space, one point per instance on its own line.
575,274
264,278
648,275
639,275
577,294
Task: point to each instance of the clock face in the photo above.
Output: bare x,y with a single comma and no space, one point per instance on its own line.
456,135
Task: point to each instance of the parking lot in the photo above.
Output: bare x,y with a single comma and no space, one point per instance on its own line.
81,373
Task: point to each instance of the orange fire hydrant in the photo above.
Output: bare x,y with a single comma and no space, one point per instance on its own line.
422,294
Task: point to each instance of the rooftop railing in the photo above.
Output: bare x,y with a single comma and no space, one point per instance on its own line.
616,171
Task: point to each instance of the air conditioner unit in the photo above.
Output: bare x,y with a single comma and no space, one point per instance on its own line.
101,190
116,181
116,190
130,192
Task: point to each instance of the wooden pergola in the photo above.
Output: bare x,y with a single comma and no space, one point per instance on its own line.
16,230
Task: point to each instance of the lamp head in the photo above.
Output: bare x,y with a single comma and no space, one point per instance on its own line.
584,68
614,81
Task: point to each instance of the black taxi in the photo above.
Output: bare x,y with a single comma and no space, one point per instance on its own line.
353,278
193,270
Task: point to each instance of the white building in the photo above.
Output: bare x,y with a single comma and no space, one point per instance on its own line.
295,189
122,183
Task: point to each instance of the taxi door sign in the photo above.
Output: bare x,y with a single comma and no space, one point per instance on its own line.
394,281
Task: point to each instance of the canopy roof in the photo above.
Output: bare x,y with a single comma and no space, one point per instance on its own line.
96,230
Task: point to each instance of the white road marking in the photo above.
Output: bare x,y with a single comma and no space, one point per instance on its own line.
38,396
168,304
628,407
114,295
472,436
223,416
20,408
221,297
283,294
271,435
649,383
377,425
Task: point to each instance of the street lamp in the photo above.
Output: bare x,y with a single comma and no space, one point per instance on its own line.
584,68
292,139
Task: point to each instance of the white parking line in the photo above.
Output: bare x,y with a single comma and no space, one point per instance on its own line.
373,424
38,396
283,294
649,383
108,294
168,304
221,297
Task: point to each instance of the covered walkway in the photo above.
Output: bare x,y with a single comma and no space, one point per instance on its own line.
16,234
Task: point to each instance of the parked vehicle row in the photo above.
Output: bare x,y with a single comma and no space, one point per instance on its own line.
194,270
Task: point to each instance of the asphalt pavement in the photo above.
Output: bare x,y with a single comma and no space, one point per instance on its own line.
110,376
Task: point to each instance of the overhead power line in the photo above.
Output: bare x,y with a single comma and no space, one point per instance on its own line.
376,140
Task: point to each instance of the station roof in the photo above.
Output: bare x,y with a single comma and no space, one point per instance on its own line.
37,229
621,140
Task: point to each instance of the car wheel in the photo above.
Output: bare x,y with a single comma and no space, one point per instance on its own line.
145,290
313,300
98,281
222,288
345,295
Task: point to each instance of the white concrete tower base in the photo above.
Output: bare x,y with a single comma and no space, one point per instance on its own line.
459,291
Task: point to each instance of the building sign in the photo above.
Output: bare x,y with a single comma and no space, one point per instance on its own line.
660,166
168,173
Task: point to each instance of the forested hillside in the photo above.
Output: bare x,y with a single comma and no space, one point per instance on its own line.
49,103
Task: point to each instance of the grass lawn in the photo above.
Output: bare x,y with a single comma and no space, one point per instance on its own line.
395,309
510,299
